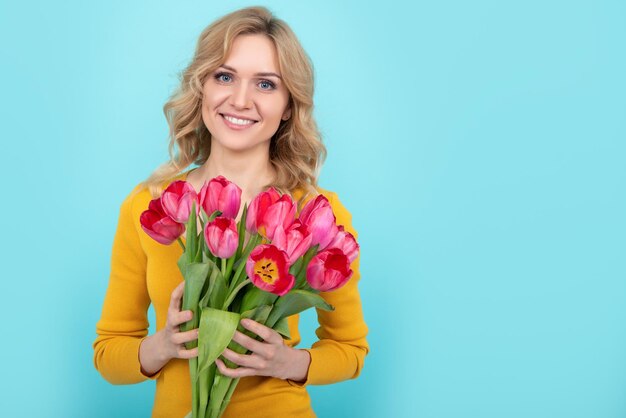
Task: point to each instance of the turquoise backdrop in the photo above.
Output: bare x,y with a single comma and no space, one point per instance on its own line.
480,146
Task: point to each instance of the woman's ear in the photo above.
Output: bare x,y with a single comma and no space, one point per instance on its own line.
287,114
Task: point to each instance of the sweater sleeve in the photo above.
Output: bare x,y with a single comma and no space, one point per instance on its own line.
340,352
124,323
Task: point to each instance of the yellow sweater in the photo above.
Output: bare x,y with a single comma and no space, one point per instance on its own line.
144,271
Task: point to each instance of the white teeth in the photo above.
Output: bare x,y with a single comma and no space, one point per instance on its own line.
238,121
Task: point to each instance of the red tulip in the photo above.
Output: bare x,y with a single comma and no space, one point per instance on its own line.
221,237
268,210
319,218
295,241
268,269
177,200
346,243
159,225
220,194
328,270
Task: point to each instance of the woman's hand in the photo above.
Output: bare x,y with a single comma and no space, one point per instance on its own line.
270,357
158,349
173,341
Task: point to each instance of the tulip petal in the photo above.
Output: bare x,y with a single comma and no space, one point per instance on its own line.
328,270
158,225
221,194
267,268
319,218
177,200
221,237
258,207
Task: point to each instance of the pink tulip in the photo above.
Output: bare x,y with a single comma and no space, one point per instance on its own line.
177,200
295,241
220,194
346,243
221,237
259,206
268,269
328,270
319,218
268,210
158,225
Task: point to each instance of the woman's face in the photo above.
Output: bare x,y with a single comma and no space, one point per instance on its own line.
245,99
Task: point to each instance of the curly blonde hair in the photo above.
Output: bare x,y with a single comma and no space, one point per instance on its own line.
296,149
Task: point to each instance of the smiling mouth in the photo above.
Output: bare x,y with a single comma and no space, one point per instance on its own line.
237,121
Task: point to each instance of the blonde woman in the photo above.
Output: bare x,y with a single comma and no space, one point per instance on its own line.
244,110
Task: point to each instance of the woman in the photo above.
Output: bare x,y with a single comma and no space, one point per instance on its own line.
243,111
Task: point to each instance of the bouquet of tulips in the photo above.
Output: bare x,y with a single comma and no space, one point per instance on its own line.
267,266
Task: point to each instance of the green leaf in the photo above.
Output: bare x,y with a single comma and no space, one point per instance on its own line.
216,291
226,401
195,275
201,243
295,302
182,263
282,327
221,385
239,265
207,282
300,275
241,230
193,372
256,297
232,294
214,215
204,389
216,331
258,314
296,267
192,234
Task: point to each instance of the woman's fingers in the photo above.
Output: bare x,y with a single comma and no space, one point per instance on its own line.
270,357
234,373
174,339
181,317
244,360
268,334
186,354
177,295
249,343
185,337
176,317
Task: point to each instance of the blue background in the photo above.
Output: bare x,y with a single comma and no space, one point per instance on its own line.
479,145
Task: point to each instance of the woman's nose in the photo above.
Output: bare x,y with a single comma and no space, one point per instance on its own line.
241,97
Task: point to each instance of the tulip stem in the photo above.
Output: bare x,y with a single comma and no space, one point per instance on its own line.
229,267
233,294
253,242
306,259
180,241
240,267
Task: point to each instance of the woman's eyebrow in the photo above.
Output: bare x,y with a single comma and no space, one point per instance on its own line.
228,67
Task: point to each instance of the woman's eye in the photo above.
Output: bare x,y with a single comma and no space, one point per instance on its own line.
225,78
266,85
